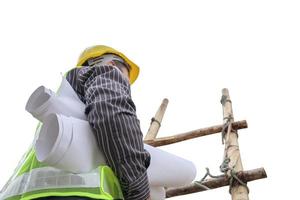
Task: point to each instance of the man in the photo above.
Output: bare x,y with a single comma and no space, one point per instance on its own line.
102,81
103,84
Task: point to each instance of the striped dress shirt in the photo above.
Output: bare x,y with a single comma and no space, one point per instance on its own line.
112,116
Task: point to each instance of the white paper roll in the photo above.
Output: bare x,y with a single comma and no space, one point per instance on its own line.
66,90
68,143
43,102
169,170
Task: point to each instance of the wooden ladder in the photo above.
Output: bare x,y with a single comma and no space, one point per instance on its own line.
234,175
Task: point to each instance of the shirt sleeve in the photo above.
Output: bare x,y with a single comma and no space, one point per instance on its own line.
112,115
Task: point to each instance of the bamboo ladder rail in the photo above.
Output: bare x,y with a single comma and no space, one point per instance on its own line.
229,131
232,152
156,121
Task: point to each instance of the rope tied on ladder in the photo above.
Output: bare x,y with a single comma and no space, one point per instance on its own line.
224,167
207,174
224,99
155,120
227,127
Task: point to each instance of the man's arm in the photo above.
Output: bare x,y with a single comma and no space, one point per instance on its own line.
112,114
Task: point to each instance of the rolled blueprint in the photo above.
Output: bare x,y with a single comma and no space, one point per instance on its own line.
169,170
43,102
68,143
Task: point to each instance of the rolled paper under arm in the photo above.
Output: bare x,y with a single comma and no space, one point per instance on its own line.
62,133
60,137
43,102
169,170
68,143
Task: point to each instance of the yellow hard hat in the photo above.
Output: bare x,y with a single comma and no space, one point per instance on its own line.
99,50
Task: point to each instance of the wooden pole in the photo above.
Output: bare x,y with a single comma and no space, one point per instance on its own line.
238,192
213,183
156,121
193,134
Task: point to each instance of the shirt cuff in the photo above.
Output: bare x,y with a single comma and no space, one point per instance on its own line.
138,189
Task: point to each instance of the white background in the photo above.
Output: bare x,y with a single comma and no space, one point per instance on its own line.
187,51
